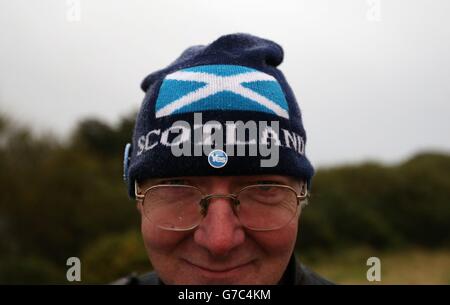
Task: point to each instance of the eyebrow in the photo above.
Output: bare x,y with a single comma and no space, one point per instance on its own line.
240,181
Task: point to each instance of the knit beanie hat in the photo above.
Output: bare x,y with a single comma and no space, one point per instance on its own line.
192,117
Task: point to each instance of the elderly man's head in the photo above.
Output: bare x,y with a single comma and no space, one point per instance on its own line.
243,238
220,200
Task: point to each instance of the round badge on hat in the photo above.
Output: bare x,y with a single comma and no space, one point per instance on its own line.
217,158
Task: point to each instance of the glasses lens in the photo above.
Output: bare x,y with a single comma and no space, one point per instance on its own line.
173,207
266,207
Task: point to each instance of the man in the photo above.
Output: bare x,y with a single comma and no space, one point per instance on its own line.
218,168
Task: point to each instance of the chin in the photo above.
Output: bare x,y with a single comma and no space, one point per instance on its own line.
207,281
201,279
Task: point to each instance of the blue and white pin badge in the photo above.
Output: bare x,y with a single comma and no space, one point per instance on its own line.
126,161
217,158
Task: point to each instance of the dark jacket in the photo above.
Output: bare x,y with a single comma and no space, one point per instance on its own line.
295,274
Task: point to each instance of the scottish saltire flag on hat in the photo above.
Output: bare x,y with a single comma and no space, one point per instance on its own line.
220,87
234,78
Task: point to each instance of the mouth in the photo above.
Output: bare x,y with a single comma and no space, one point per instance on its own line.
219,271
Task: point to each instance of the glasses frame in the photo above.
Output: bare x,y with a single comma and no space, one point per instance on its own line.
302,200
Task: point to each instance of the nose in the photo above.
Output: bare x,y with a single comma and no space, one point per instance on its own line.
220,231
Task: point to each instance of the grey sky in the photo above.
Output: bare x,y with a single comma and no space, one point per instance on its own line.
367,89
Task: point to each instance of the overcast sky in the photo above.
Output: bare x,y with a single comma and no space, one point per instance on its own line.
372,77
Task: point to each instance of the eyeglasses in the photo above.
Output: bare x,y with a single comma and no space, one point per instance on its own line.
259,207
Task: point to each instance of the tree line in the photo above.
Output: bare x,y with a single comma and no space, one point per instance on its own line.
64,198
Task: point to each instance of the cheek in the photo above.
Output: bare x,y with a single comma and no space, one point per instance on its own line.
160,241
277,247
161,246
278,242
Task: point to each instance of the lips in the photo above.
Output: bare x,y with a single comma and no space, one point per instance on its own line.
218,269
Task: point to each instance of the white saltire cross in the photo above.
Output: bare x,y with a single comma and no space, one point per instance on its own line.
215,84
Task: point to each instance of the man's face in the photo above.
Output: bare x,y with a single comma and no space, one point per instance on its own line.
220,250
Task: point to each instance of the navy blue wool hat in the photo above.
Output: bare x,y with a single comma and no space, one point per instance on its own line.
235,78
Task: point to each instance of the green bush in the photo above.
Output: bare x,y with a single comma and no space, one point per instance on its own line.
60,199
114,256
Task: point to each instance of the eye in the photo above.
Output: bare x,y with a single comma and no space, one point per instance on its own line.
174,182
267,188
268,193
268,182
